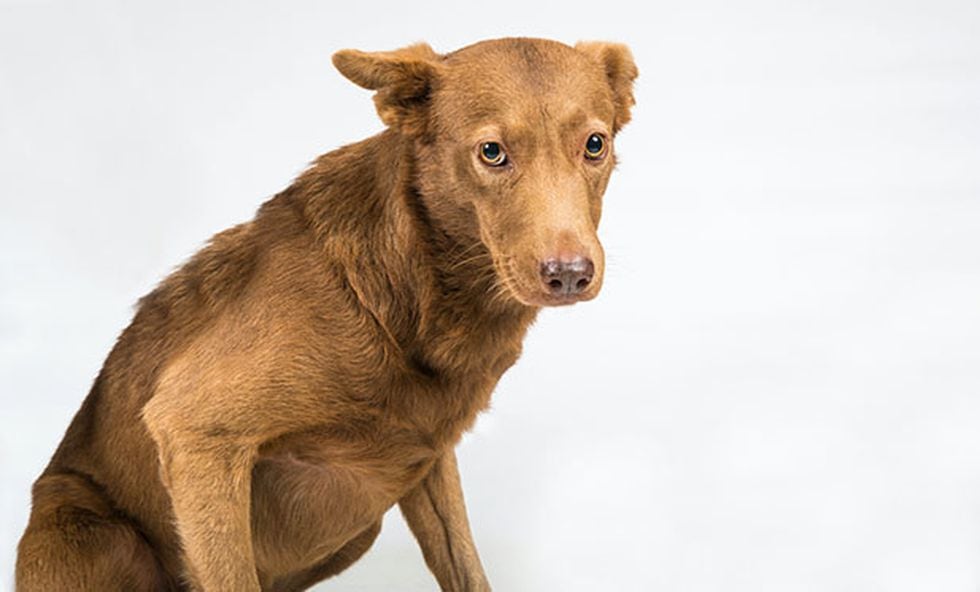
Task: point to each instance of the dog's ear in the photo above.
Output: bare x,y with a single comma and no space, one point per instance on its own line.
617,62
403,79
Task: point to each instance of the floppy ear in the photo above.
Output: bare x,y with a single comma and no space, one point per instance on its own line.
403,79
617,62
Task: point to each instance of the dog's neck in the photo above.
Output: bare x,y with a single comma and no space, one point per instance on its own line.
435,294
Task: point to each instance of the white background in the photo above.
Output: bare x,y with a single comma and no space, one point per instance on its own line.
779,388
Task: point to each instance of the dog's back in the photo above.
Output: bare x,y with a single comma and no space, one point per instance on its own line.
105,473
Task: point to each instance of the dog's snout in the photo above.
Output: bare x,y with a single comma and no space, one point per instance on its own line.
567,277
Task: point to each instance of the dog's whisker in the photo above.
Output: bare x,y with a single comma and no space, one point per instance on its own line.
471,259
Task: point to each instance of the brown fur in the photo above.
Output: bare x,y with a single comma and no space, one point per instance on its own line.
311,368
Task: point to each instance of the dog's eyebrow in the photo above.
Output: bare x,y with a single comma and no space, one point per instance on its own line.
490,130
578,119
509,134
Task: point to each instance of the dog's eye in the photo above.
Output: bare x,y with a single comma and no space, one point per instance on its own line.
595,147
493,154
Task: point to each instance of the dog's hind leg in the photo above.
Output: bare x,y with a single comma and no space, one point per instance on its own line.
76,540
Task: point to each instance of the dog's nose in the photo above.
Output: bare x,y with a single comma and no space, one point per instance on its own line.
564,277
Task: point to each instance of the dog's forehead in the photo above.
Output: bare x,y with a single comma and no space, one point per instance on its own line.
512,78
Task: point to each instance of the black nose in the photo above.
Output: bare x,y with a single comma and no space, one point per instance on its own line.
567,278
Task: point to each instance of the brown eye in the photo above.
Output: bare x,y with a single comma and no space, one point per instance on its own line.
595,147
492,154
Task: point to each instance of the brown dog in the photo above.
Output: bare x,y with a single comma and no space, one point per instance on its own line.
311,368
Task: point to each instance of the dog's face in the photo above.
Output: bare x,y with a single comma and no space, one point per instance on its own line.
514,147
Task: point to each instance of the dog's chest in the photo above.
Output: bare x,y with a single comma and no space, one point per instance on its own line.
314,492
385,444
382,432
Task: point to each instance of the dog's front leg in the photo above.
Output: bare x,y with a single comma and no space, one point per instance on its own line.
436,514
209,481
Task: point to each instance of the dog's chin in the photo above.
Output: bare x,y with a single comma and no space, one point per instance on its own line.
540,298
544,299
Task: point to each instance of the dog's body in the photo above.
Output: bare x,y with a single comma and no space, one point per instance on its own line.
313,367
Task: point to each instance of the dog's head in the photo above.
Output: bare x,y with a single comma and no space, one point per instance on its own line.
514,147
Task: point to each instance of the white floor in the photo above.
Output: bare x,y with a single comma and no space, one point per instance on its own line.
779,388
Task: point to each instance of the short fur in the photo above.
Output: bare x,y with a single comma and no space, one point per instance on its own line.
311,368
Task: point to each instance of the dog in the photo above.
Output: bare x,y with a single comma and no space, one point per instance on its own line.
311,368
